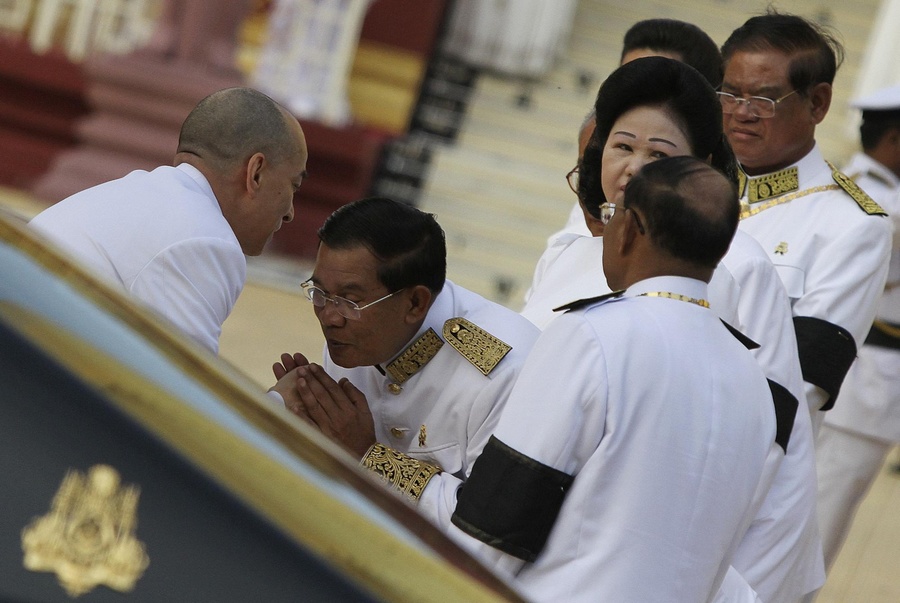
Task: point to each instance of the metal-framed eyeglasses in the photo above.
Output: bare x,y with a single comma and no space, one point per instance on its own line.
608,210
572,179
759,106
345,307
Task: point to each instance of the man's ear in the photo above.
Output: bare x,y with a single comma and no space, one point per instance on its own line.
820,99
420,298
255,166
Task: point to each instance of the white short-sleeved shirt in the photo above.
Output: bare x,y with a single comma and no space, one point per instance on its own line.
162,237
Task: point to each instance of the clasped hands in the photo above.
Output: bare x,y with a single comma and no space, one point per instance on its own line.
337,408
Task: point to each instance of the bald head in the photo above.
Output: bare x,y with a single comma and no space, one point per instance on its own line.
230,125
690,208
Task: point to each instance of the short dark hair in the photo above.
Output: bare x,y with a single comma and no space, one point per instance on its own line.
656,81
689,42
229,126
685,212
875,125
815,52
408,243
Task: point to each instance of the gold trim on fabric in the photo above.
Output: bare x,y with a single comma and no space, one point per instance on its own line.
752,211
476,345
401,471
742,182
887,328
87,539
677,296
414,357
773,185
865,202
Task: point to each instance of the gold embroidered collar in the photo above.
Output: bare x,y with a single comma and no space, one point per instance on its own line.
415,356
857,194
771,185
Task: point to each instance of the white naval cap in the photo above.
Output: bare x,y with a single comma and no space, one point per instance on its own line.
885,99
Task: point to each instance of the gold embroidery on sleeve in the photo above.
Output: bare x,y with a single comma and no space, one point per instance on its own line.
401,471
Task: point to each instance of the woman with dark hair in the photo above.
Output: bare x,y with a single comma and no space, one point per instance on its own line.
679,94
652,108
669,110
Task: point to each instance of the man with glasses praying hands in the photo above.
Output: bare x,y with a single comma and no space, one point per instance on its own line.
829,241
416,368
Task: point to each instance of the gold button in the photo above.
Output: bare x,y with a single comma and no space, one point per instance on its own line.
397,432
394,388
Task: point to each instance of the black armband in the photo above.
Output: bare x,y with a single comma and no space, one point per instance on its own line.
785,413
826,353
510,501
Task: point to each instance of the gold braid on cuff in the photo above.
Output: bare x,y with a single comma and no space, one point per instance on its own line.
403,472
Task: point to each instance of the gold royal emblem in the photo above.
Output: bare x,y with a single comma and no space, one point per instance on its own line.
88,537
781,248
476,345
423,434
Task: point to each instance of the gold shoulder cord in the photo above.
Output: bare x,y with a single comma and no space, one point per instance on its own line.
401,471
676,296
746,212
887,328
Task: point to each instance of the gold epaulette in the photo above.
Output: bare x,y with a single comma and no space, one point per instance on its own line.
401,471
865,202
475,344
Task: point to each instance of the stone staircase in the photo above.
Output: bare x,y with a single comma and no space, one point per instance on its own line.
499,191
499,188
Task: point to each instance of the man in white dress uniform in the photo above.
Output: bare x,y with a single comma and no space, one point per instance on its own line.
176,237
618,471
416,368
860,431
829,242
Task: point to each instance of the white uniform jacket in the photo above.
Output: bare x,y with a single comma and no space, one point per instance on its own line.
647,425
162,237
444,413
870,400
832,257
781,554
